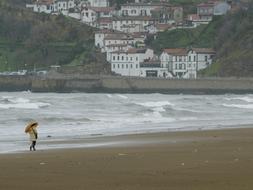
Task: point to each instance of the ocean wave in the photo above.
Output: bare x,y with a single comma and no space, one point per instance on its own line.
25,105
185,110
244,98
109,95
65,119
241,106
155,104
8,102
122,96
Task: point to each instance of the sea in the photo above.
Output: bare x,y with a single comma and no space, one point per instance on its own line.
65,118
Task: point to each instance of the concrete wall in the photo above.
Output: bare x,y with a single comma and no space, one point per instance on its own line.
15,83
125,85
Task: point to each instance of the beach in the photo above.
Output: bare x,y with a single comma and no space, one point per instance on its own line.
196,160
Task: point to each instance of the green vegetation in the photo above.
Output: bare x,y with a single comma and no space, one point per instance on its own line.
231,36
202,36
29,40
234,45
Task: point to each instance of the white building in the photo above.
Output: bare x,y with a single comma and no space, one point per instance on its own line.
152,68
139,9
183,63
204,57
117,39
43,6
104,23
90,15
98,3
108,37
52,6
132,24
127,63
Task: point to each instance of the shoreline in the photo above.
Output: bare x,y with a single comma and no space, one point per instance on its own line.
199,160
116,140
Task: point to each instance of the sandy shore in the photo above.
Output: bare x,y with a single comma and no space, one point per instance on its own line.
202,160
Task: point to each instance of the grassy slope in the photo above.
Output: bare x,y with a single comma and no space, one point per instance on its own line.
29,40
201,36
234,44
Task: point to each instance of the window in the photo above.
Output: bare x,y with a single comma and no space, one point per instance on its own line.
122,58
131,66
113,58
136,66
131,58
175,66
189,58
180,66
118,65
194,58
118,57
127,58
136,58
127,66
114,66
122,66
206,58
87,14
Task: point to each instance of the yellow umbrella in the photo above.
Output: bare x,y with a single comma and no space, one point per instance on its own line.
30,126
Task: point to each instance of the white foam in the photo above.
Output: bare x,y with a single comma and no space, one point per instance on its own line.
18,100
242,106
244,98
28,105
122,96
155,104
109,95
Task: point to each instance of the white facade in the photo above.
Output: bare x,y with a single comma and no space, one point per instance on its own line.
132,24
64,4
204,57
98,3
105,38
90,15
138,9
51,6
115,47
184,63
128,63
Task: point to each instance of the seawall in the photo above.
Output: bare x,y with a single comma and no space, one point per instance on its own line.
110,84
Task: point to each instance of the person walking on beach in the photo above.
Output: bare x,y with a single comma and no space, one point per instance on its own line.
31,129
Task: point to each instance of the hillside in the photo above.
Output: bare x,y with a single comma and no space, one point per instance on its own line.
231,36
36,41
234,45
202,36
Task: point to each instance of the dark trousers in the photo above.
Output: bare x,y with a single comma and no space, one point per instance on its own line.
33,146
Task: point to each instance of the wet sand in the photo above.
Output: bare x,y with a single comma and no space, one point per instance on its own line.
202,160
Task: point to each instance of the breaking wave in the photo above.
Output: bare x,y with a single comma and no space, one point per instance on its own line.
244,98
241,106
20,103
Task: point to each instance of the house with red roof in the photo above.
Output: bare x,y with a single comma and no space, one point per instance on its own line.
184,63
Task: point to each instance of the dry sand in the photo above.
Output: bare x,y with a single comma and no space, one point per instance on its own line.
202,160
